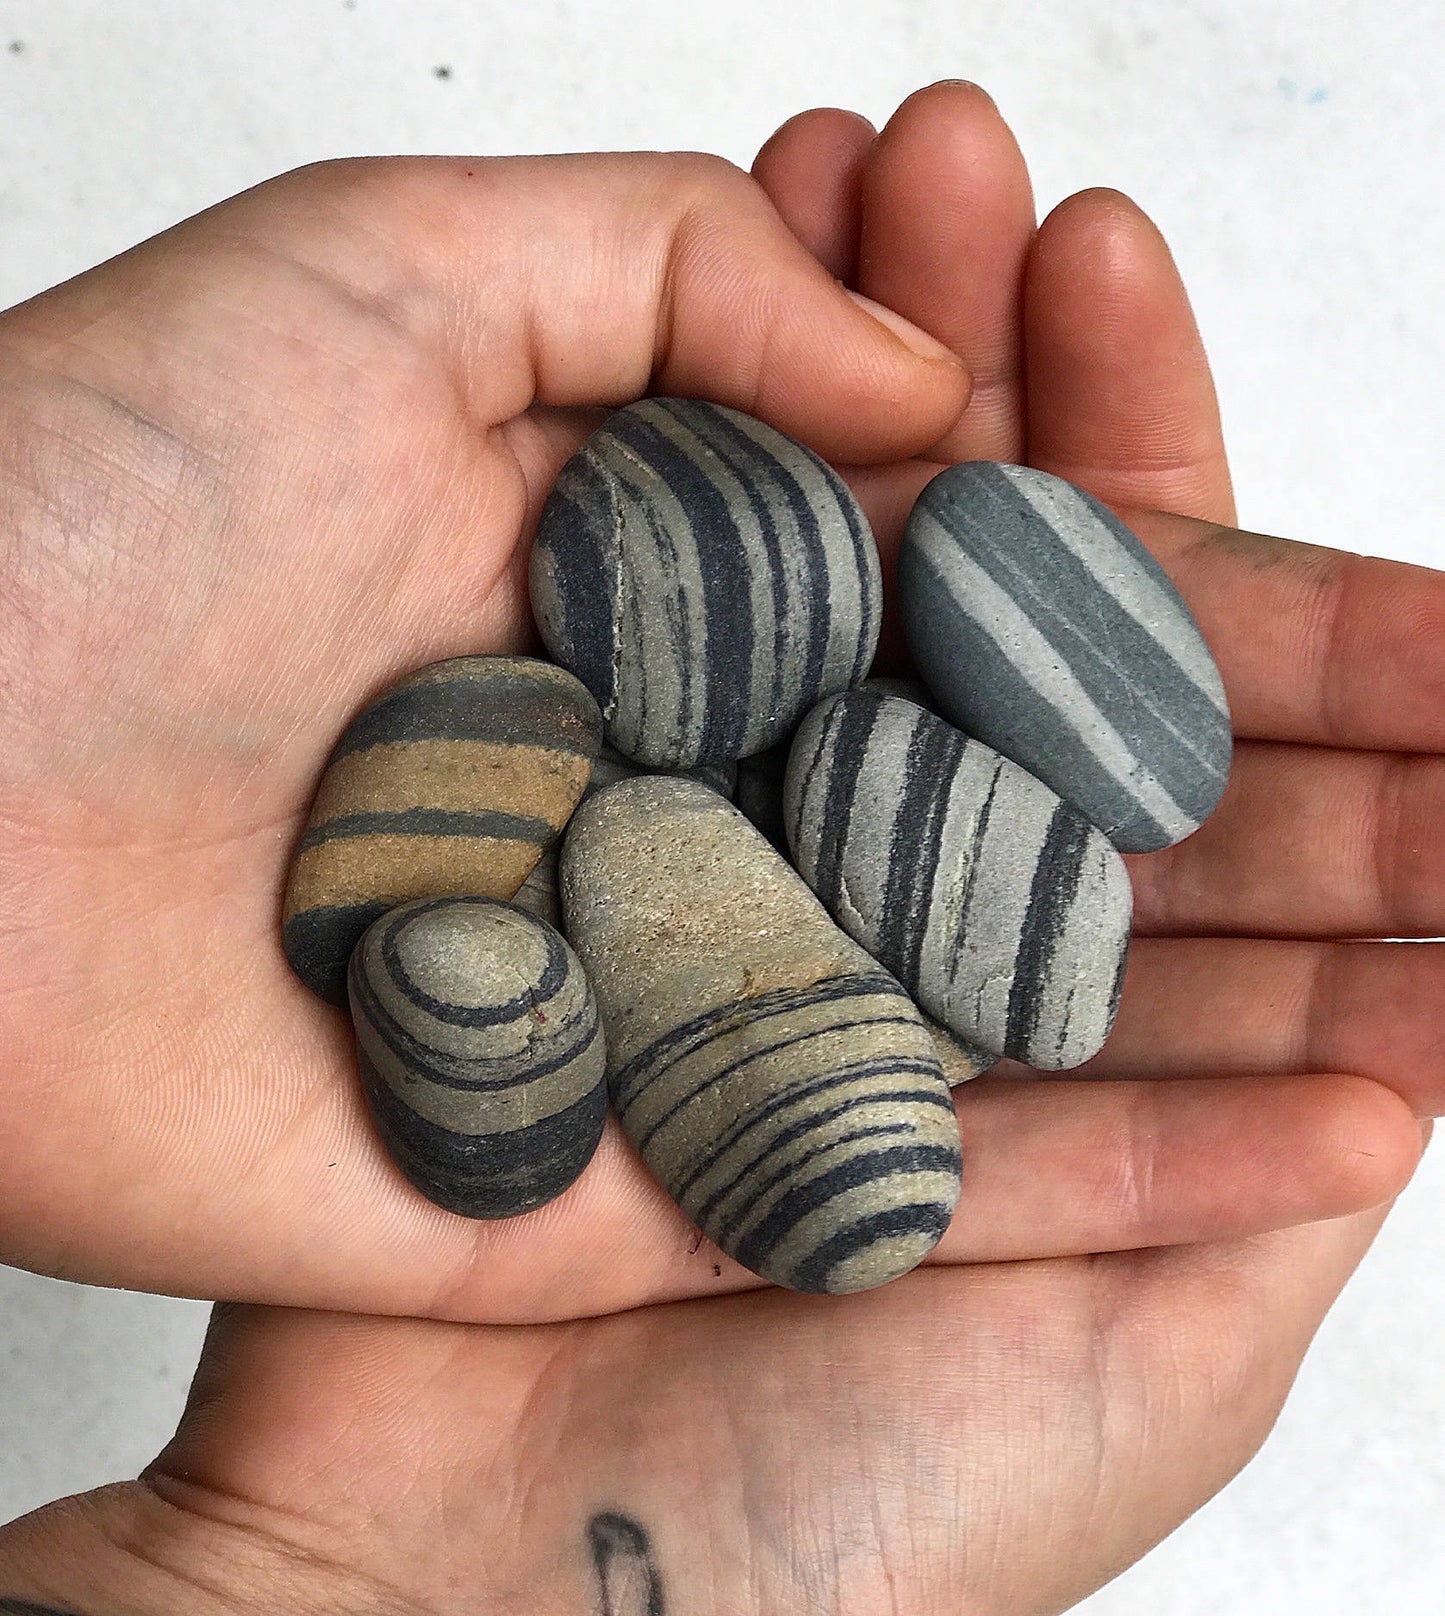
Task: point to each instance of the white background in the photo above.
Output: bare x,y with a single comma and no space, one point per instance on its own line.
1294,155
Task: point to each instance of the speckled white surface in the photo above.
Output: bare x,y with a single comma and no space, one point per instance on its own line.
1293,154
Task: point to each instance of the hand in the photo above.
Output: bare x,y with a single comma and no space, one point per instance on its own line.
317,437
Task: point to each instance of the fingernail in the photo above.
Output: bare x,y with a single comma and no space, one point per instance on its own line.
968,84
908,334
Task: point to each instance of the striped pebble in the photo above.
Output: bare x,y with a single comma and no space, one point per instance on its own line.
759,788
453,781
996,904
707,579
1043,627
781,1087
481,1053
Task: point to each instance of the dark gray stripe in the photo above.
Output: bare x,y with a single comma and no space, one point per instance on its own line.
501,708
807,1093
487,1175
724,1073
488,822
930,1218
1128,674
1051,897
536,994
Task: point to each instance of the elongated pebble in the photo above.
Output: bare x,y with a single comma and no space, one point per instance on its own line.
1045,628
481,1053
995,903
707,578
779,1084
453,781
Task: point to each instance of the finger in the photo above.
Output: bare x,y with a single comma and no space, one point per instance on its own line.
1307,841
1314,644
302,1206
948,216
584,279
1056,1169
1227,1006
811,169
1121,400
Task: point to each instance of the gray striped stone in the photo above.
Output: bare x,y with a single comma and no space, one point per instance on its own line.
995,903
782,1087
707,578
758,791
1044,627
481,1053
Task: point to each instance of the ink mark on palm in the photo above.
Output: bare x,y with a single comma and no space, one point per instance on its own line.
627,1579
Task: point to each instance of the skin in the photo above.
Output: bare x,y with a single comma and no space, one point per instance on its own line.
262,465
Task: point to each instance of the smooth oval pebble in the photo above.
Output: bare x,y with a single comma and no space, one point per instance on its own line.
781,1086
481,1053
707,578
451,782
994,902
1044,627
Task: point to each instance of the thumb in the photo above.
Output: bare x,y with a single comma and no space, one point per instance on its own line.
566,280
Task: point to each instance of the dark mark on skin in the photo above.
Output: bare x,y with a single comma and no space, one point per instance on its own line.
443,72
627,1579
23,1607
17,46
1264,552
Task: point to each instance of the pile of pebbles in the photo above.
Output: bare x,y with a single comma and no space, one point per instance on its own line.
703,866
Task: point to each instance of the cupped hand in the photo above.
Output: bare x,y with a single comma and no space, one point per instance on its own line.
260,466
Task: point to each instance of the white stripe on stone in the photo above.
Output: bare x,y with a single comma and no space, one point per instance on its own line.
995,612
1076,526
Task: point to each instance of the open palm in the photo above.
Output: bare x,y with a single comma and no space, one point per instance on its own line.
260,466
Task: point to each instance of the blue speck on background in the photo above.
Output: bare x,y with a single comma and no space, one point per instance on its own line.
1290,90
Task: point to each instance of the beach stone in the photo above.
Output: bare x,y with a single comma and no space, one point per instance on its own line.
780,1085
451,782
1044,628
707,578
1000,908
481,1053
